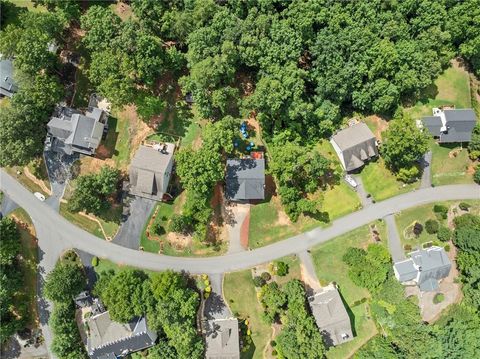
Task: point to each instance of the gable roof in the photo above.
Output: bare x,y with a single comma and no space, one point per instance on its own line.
107,338
222,339
331,316
245,179
354,145
8,85
150,171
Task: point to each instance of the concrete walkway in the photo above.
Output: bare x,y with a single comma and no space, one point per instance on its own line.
362,193
426,163
309,274
394,243
237,214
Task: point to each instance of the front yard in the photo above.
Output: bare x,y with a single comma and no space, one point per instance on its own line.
451,165
241,297
406,219
330,267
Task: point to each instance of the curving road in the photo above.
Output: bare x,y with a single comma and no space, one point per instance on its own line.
56,234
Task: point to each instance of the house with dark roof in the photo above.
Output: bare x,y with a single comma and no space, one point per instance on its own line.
331,316
222,339
8,85
69,131
425,268
450,125
245,179
150,171
354,146
108,339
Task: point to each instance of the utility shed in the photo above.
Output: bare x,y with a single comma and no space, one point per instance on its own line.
8,86
108,339
222,339
331,316
425,268
245,179
354,146
451,126
150,171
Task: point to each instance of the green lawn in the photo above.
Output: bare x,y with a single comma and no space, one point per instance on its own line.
28,262
340,200
330,267
451,88
448,169
294,270
118,139
381,183
421,214
241,296
25,181
81,221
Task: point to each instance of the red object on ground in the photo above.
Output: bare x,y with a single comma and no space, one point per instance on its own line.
256,155
244,231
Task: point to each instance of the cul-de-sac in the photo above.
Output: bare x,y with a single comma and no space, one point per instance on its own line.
239,179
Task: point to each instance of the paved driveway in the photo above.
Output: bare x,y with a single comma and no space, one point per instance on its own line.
58,168
7,205
394,243
59,234
215,307
426,164
129,234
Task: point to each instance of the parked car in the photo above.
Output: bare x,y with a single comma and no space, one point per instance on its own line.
351,181
40,196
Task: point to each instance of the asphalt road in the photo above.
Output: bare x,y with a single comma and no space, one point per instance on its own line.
57,234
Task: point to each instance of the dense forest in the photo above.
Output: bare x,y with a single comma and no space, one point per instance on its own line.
296,64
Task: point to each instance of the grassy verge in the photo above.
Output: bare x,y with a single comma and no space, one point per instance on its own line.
421,214
381,183
28,262
450,165
294,271
24,180
241,296
81,221
450,88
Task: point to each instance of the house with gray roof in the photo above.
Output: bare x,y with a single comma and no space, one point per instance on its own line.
450,125
425,268
150,171
69,131
108,339
354,146
245,179
8,85
222,339
331,316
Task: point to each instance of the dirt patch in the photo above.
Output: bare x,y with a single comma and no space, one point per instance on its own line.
245,84
179,241
454,153
252,123
282,219
37,181
471,169
244,229
90,165
137,129
379,123
123,10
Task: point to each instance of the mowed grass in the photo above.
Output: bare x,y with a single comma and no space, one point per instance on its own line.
81,221
448,169
450,88
294,270
407,218
330,267
19,174
381,183
28,261
241,297
340,200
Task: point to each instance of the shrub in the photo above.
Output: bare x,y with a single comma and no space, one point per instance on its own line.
438,298
440,210
158,229
447,247
266,276
407,247
274,352
476,175
408,175
417,229
464,206
180,224
95,261
431,226
258,282
444,234
282,268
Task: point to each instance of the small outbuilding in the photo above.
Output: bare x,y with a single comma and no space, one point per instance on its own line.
150,171
331,316
354,146
425,268
450,125
222,339
8,86
245,179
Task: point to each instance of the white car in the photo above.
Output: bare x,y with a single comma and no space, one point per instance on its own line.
40,196
351,181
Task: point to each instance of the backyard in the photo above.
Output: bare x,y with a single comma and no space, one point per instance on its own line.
451,165
330,267
241,297
407,218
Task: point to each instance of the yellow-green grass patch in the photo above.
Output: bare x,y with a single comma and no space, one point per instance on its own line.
450,165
